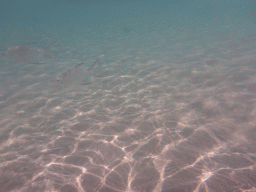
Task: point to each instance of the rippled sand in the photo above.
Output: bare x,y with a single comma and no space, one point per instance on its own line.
162,118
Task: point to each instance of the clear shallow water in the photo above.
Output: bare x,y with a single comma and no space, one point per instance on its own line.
174,109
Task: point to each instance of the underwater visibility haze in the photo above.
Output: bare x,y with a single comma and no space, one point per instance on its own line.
128,96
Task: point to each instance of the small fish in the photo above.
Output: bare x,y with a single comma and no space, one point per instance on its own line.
25,53
75,74
67,73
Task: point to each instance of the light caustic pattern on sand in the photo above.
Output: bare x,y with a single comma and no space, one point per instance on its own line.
165,128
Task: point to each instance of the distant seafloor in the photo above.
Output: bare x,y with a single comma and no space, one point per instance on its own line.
168,110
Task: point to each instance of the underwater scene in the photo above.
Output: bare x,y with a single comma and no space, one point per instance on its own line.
128,96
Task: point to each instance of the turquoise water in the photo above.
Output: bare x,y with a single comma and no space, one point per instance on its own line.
169,106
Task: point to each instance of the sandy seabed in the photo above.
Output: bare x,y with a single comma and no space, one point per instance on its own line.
166,118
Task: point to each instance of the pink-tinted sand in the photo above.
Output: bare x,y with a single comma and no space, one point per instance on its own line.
167,118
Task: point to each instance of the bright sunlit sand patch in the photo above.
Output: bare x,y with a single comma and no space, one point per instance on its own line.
205,176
